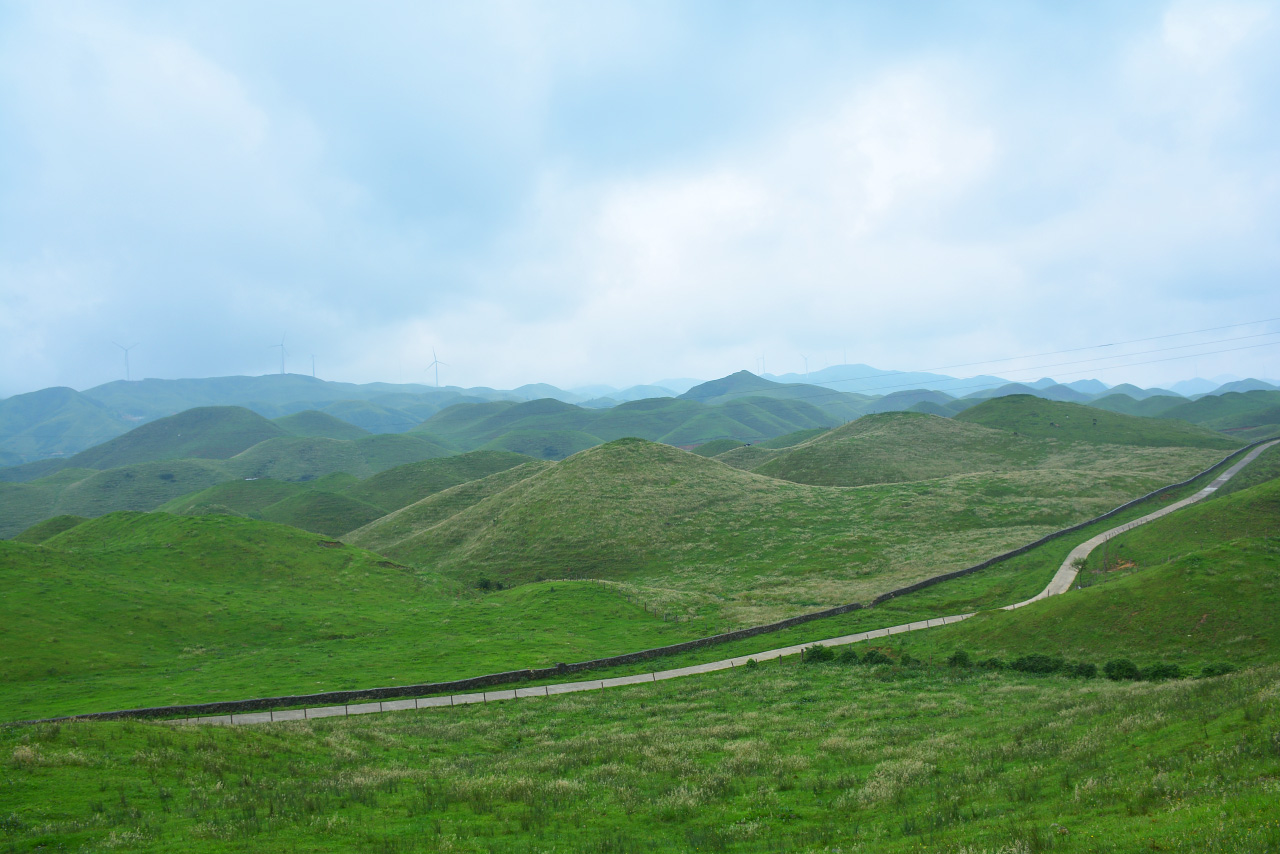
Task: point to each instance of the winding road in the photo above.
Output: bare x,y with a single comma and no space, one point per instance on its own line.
1060,583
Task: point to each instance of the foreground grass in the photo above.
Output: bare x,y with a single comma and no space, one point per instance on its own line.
783,757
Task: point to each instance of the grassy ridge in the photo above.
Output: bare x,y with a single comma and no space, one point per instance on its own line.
779,758
143,609
320,425
1040,418
902,446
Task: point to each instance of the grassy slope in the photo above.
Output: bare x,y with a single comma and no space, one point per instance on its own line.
1231,410
1150,407
319,425
294,458
38,533
901,446
54,421
1195,587
142,609
209,432
322,512
403,485
1039,418
412,520
753,548
777,758
243,497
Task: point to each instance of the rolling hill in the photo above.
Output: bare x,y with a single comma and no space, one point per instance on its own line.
762,548
1068,422
314,424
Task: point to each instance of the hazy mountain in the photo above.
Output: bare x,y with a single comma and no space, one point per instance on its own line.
864,379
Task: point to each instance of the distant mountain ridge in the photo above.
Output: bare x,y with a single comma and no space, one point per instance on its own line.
60,422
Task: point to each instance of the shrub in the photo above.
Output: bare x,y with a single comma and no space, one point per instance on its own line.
1163,670
848,655
1085,670
875,656
959,658
907,659
1121,668
752,664
816,654
1219,669
992,664
1037,663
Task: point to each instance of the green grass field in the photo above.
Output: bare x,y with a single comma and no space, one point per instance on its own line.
783,757
142,609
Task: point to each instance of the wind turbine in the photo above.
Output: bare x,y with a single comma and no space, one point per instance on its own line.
806,367
282,352
436,363
126,358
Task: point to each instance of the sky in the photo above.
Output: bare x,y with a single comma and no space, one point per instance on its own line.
614,192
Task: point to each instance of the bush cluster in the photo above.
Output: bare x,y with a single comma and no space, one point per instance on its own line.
1117,670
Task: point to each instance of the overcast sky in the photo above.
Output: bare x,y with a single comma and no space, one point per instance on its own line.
614,193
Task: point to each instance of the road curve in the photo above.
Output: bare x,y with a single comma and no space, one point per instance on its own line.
1060,583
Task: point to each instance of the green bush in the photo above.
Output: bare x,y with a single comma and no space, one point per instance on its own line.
959,658
992,664
875,656
1219,669
1037,663
1158,672
848,655
1085,670
752,664
1121,668
816,654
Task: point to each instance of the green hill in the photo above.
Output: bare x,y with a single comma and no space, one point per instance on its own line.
38,533
209,432
403,485
1231,411
371,417
1194,588
551,429
901,446
717,446
322,512
417,518
294,458
134,610
319,425
54,422
242,497
542,444
761,548
1039,418
841,406
1149,407
142,486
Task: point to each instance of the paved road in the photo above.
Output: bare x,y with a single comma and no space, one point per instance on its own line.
1060,583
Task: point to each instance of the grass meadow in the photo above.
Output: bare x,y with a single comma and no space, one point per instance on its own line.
781,757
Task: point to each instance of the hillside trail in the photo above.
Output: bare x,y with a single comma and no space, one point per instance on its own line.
1060,583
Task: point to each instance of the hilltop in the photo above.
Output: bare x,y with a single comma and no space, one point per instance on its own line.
1069,422
901,446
